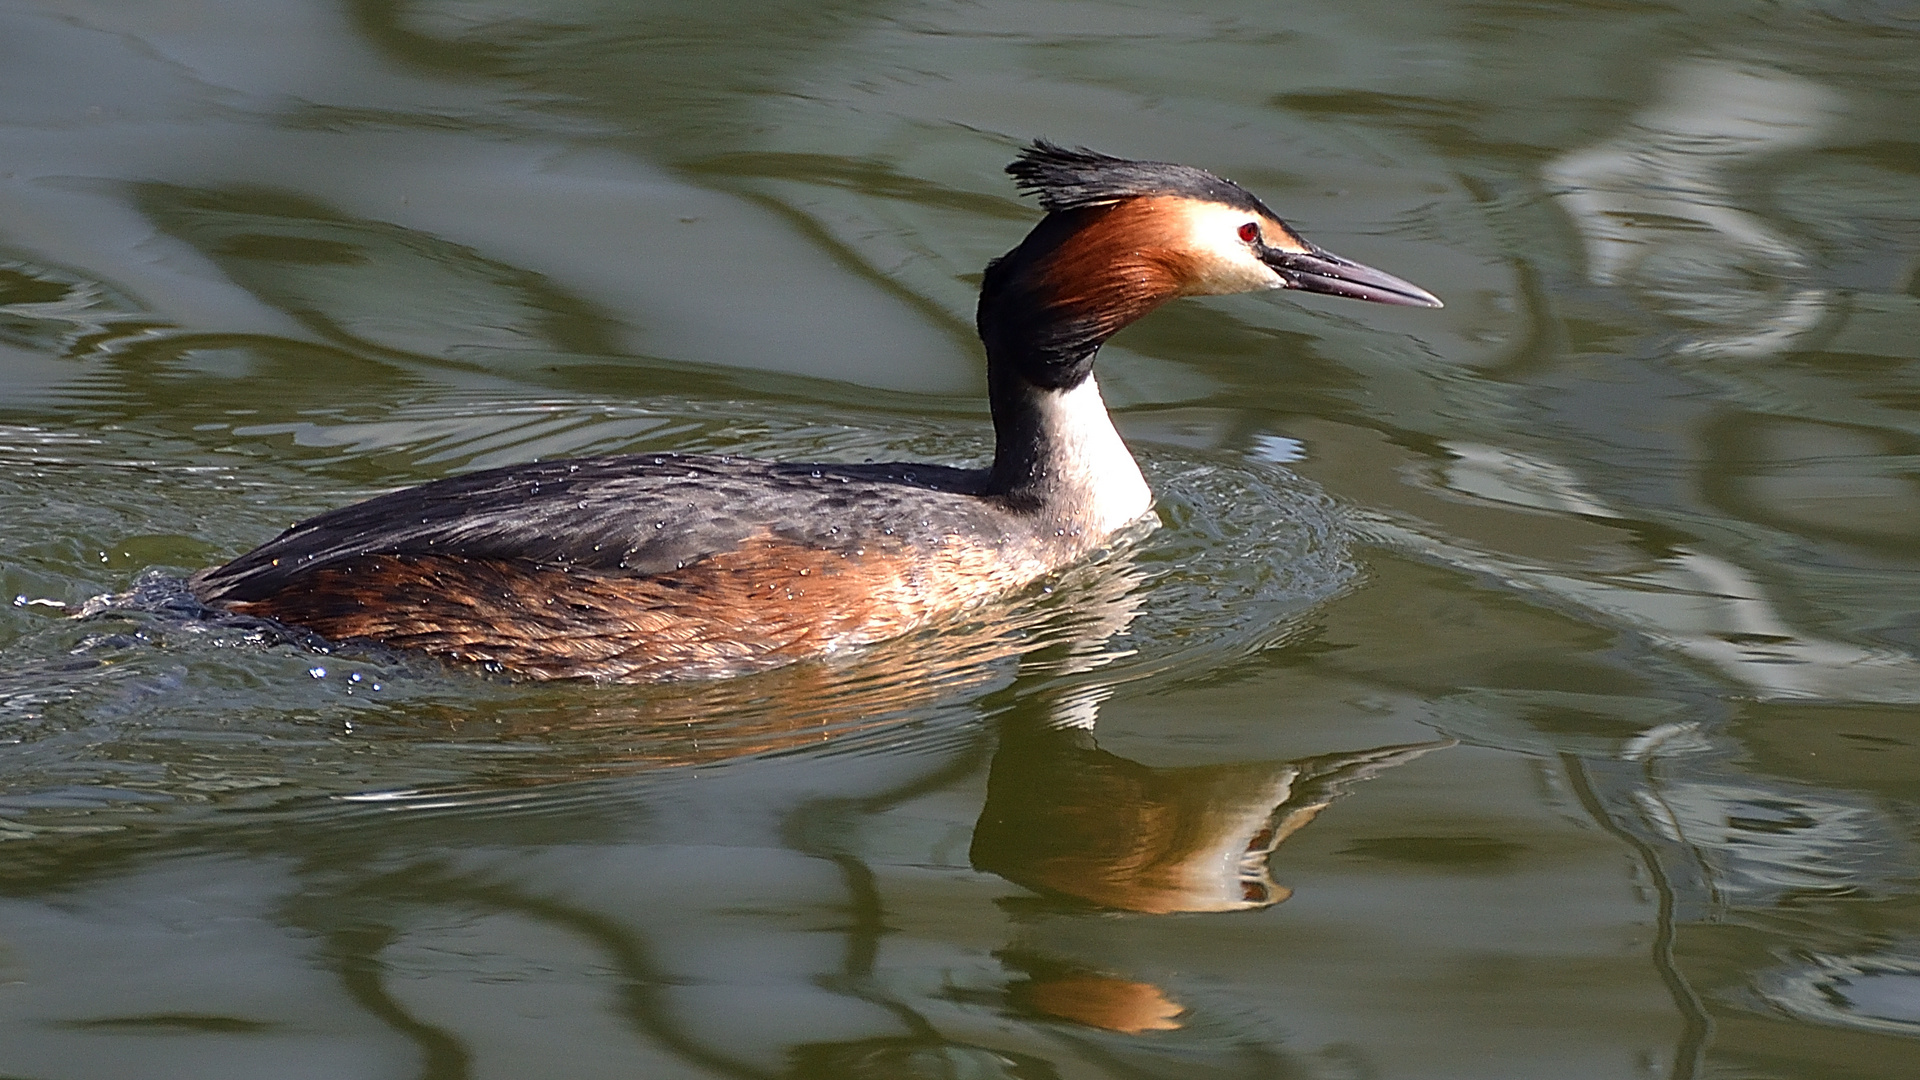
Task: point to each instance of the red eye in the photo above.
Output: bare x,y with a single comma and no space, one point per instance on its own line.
1250,232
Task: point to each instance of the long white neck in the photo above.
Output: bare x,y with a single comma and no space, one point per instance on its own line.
1060,455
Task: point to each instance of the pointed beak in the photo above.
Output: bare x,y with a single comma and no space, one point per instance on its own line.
1320,271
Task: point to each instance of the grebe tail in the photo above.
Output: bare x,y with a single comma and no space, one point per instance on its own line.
659,566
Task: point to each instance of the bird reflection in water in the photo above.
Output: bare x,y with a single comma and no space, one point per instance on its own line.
1071,821
1066,818
1089,997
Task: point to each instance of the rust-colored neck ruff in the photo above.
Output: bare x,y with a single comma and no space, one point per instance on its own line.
1081,275
1123,262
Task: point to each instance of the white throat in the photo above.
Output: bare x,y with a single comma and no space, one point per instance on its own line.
1090,469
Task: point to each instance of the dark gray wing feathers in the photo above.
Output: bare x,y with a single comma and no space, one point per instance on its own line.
639,514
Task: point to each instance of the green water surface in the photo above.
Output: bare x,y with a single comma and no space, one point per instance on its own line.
1524,689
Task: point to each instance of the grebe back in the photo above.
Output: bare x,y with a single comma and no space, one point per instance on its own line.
659,566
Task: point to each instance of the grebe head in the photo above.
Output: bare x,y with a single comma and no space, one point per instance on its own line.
1121,237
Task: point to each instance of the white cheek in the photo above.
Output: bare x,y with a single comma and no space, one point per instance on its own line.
1227,263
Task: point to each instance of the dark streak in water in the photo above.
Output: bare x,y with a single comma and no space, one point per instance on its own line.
1690,1054
172,1023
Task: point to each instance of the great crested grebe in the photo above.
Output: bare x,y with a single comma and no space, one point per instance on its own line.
660,566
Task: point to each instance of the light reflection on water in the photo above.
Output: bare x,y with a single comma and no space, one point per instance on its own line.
1629,528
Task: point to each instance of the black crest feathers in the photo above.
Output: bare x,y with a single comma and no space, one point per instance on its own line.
1069,179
